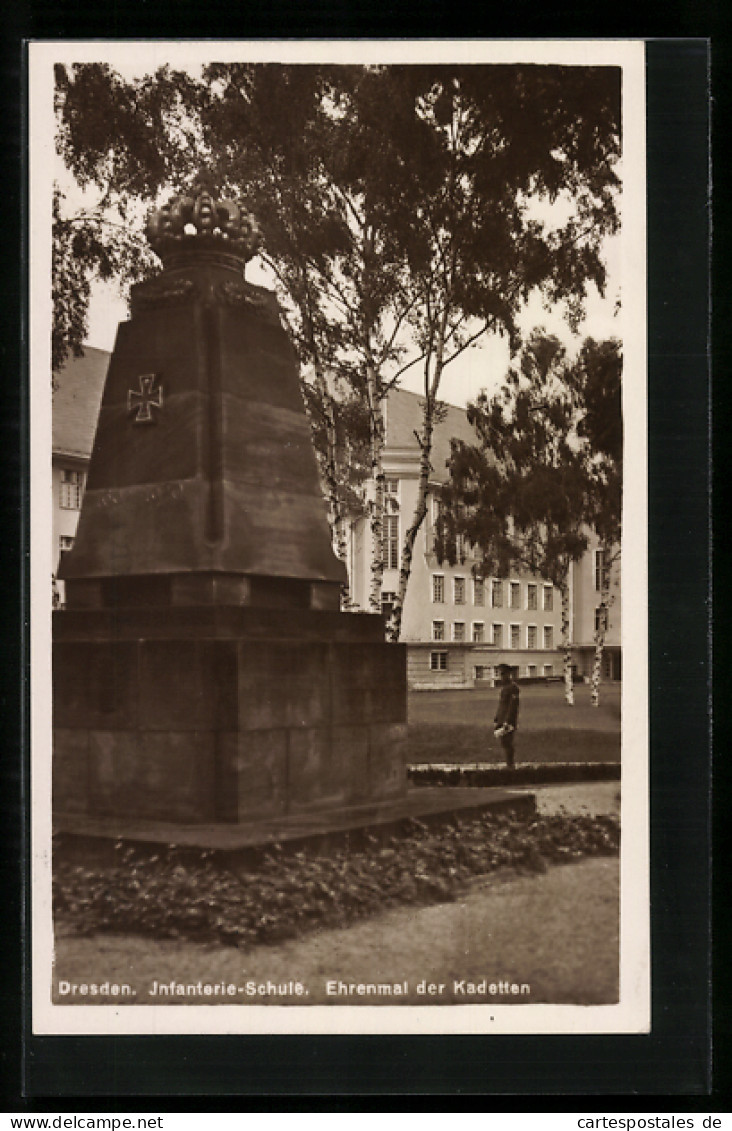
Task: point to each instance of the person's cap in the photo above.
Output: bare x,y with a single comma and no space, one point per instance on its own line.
504,668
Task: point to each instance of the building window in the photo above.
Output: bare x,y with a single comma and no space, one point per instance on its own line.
65,543
531,671
458,630
480,671
460,547
515,636
438,589
438,661
548,598
478,632
72,487
497,594
531,636
601,619
438,630
532,596
600,569
498,635
478,591
429,525
548,669
388,601
515,595
548,636
391,541
459,590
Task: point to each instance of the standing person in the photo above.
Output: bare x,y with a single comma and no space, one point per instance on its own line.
506,719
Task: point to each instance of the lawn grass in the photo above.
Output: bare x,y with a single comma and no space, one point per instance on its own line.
459,745
457,726
542,706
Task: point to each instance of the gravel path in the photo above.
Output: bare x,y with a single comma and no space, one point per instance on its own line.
584,797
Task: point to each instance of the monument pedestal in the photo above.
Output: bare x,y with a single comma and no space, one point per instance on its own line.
217,713
202,670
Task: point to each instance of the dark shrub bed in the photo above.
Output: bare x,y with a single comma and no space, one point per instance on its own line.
167,895
531,773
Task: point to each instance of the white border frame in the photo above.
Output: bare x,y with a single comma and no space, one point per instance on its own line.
632,1013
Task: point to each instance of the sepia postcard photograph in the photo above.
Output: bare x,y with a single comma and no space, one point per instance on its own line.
338,409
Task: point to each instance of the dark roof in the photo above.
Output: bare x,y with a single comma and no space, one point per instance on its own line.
403,418
76,400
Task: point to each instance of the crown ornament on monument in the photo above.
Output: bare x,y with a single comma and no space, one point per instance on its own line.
196,221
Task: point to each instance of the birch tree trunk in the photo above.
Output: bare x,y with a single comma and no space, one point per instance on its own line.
375,490
435,352
601,630
418,517
328,461
567,646
597,664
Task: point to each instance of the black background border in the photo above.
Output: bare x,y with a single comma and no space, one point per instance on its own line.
56,1073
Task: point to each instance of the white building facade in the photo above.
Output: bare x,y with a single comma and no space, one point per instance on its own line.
76,399
459,626
588,612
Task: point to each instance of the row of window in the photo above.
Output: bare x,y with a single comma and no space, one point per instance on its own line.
439,663
71,489
391,551
478,634
495,591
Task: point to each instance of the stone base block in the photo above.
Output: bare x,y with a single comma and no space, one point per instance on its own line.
206,729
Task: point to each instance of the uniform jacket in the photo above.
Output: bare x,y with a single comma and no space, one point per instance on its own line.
508,705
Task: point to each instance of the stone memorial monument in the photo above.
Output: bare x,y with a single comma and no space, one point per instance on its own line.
203,670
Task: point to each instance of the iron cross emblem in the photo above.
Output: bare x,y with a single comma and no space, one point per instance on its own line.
145,399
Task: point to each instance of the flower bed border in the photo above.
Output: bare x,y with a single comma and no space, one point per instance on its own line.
528,773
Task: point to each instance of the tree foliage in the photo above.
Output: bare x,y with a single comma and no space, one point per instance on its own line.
595,380
406,210
546,470
340,430
524,494
596,383
121,143
87,245
432,166
520,495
